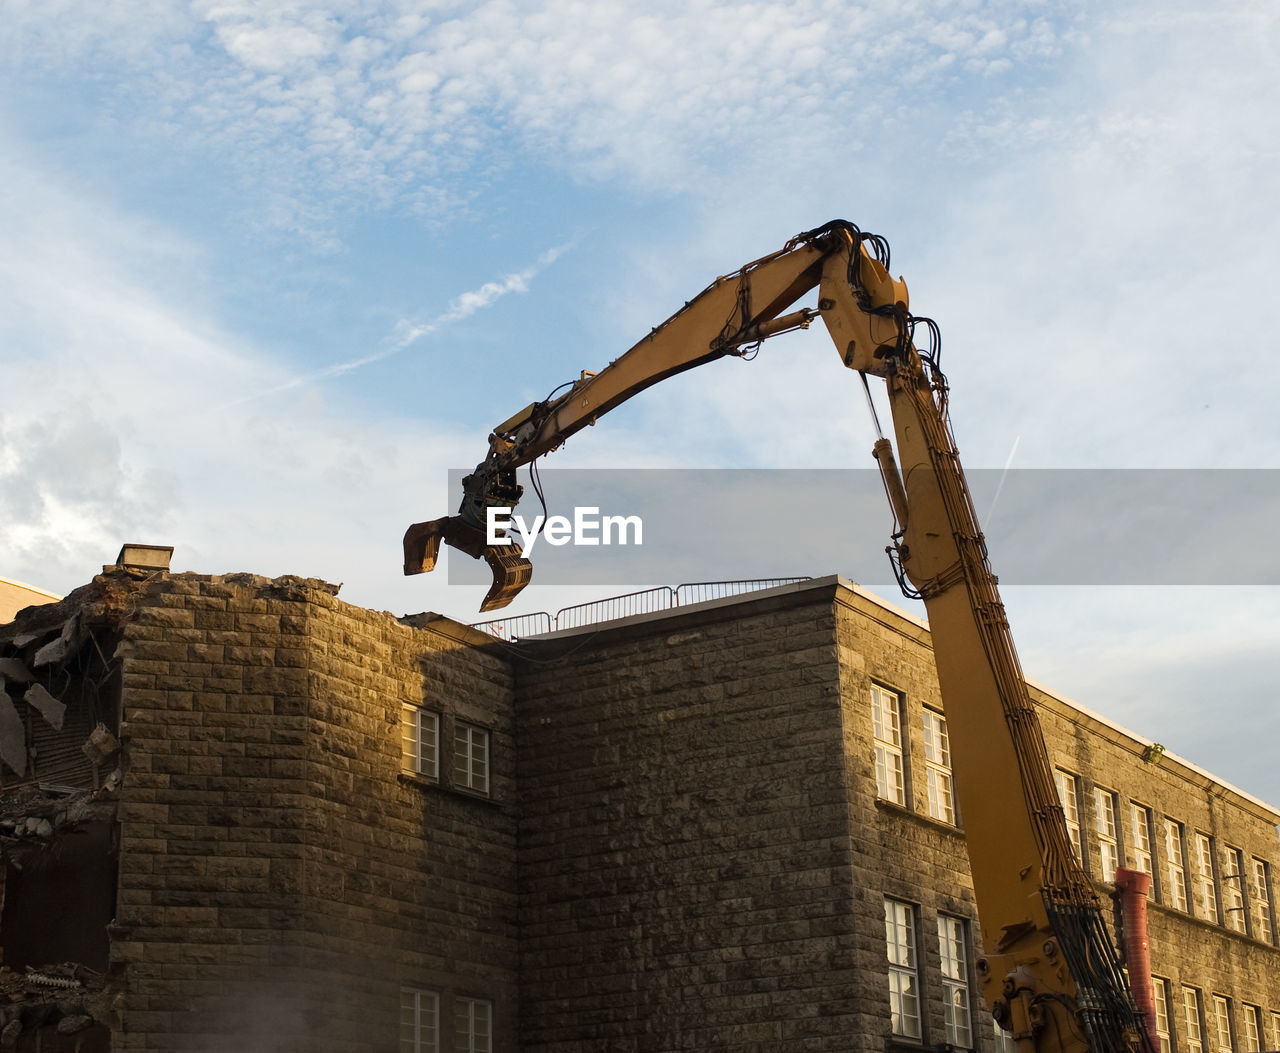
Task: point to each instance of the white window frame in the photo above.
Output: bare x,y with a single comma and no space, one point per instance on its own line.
1104,825
419,1021
472,1025
420,741
886,730
1191,1019
904,968
471,757
1206,883
1275,1030
937,767
1252,1028
1160,989
953,949
1069,797
1260,890
1175,861
1222,1024
1004,1040
1140,822
1234,904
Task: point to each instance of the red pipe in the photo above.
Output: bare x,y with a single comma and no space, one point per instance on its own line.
1132,886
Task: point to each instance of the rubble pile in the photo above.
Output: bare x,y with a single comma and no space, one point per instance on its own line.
63,1000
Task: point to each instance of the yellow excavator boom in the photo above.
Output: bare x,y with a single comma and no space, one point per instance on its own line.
1049,971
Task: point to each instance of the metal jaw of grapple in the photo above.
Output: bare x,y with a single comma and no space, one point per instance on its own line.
511,571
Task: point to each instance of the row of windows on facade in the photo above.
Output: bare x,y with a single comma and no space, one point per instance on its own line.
1194,1025
1233,890
905,1000
1219,884
1227,1034
421,1026
420,740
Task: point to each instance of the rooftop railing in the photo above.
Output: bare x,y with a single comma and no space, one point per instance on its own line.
646,601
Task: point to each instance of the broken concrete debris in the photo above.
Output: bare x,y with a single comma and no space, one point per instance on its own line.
100,746
46,705
13,735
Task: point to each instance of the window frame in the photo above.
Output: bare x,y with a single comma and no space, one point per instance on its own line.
464,775
1163,1023
1252,1036
884,699
415,1043
1264,927
1068,786
1143,841
465,1036
1193,1018
1224,1040
1235,904
939,781
1176,868
1208,907
412,730
1107,830
957,1001
901,942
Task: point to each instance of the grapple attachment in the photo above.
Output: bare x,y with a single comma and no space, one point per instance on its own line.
511,571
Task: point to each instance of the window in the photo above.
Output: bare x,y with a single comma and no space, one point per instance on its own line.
421,740
937,766
1260,890
1070,798
1222,1024
1206,889
472,1026
470,758
1177,865
1161,989
1191,1019
1140,821
886,725
1252,1029
904,986
419,1020
1275,1031
1004,1040
1233,891
1104,824
952,946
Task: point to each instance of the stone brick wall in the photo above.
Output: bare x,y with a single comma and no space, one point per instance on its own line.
705,859
685,848
280,877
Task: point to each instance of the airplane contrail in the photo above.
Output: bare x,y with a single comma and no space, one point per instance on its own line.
406,333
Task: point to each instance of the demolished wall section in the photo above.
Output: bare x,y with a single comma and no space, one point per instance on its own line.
59,700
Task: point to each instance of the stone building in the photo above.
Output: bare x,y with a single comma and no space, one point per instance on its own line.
239,813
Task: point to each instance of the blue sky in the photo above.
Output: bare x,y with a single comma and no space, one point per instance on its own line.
267,271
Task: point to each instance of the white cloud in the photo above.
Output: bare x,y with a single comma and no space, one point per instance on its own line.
384,100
